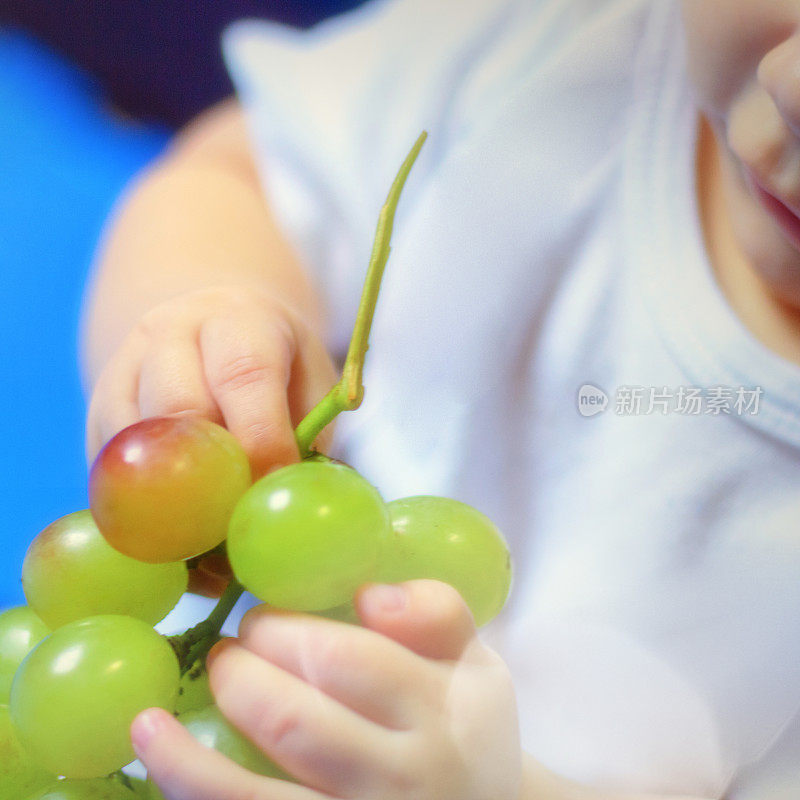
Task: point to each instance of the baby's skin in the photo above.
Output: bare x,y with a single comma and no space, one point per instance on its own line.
201,306
411,705
744,57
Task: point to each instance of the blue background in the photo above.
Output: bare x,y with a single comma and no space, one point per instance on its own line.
63,159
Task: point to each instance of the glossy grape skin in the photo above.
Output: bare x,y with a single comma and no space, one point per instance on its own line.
95,789
194,691
450,541
164,488
20,630
20,776
140,788
211,729
305,537
346,613
144,790
77,692
71,572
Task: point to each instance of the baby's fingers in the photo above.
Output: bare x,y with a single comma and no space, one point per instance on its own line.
186,770
247,362
428,617
115,404
172,381
374,676
310,735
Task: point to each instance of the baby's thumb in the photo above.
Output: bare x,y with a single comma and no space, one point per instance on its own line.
428,617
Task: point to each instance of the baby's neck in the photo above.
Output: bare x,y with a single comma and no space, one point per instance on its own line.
770,320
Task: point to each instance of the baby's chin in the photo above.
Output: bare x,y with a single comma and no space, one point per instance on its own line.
776,263
783,281
768,243
786,288
775,258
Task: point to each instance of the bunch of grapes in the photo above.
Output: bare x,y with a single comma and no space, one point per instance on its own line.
82,659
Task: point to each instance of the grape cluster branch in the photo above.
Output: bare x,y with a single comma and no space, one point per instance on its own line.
195,643
346,395
348,392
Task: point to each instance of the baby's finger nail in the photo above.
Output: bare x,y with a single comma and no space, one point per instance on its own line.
386,598
145,727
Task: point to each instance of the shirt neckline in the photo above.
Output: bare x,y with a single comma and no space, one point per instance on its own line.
665,242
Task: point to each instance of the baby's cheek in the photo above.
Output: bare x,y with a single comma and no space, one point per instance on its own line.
756,133
728,39
778,76
764,145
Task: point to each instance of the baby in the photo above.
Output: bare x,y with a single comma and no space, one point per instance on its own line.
590,329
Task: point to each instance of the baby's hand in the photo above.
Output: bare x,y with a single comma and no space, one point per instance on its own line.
235,355
411,706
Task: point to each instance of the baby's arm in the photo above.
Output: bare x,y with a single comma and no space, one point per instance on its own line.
199,304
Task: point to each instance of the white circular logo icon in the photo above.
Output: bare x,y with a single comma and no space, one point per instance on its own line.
591,400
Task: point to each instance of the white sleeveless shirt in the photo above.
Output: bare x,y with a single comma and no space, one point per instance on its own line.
547,255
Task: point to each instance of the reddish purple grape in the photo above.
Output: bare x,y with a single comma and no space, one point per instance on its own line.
164,489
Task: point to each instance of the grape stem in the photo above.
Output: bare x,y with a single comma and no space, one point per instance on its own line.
346,395
195,643
348,392
122,778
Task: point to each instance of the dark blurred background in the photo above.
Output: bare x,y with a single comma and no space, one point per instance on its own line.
89,93
155,60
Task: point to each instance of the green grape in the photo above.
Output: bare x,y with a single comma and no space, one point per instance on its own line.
194,691
75,695
140,788
154,792
211,729
164,488
71,572
443,539
95,789
305,537
20,630
20,775
346,613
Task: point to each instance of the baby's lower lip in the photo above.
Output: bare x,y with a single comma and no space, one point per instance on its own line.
783,215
